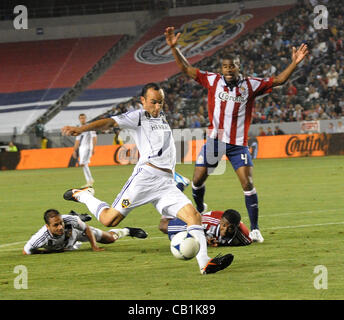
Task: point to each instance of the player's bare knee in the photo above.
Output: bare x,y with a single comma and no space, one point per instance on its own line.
190,215
110,217
107,237
108,222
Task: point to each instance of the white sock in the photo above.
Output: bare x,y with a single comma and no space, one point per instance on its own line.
121,233
198,232
94,205
87,173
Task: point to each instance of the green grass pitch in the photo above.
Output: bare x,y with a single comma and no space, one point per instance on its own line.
301,218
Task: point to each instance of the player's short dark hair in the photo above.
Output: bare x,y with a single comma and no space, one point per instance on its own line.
82,114
232,216
232,57
150,85
50,213
228,56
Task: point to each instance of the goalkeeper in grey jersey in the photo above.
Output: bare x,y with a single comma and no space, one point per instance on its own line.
67,232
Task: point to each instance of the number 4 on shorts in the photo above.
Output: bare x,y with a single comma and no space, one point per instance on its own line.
244,157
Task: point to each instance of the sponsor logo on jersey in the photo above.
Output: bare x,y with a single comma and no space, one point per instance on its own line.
224,96
160,127
197,37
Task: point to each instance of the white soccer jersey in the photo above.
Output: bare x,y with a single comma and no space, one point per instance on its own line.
230,108
153,137
86,139
44,239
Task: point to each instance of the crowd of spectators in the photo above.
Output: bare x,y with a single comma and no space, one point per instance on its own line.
314,92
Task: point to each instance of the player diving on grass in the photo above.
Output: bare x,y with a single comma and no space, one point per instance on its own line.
230,103
222,228
68,231
152,180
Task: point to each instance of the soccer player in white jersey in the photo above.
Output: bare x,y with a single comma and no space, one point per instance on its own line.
152,180
67,232
85,143
230,103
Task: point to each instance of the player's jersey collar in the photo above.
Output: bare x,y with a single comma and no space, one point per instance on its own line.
232,85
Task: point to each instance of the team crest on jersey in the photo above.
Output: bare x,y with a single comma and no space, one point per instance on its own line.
125,203
243,91
198,36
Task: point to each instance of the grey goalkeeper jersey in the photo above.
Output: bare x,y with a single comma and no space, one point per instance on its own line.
44,239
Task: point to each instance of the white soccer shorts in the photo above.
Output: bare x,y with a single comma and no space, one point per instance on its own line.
150,185
81,236
84,156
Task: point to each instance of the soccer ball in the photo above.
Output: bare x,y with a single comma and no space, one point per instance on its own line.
184,246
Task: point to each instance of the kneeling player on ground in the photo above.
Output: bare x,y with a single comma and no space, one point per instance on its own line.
67,232
221,228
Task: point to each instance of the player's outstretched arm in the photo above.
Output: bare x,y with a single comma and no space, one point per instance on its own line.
297,56
182,62
92,239
102,124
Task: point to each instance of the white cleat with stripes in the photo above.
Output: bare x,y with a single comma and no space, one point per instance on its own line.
256,236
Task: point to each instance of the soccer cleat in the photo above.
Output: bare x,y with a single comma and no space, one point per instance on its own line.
256,236
218,263
180,179
73,194
83,216
137,233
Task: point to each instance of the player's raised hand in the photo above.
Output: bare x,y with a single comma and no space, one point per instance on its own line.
71,131
171,38
299,54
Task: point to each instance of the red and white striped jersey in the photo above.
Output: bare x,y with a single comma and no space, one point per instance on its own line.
211,226
211,219
230,109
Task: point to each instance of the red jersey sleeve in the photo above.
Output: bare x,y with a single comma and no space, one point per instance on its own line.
261,86
206,79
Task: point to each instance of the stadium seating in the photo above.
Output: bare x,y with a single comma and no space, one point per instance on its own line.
262,49
264,43
35,74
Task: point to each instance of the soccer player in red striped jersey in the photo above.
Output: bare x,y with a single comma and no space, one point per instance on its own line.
230,103
222,228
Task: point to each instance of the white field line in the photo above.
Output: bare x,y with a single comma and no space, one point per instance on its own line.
165,237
